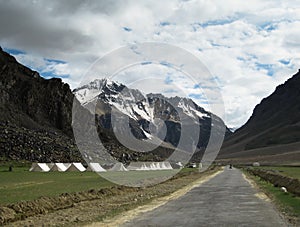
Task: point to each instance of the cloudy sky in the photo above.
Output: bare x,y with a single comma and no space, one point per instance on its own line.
248,48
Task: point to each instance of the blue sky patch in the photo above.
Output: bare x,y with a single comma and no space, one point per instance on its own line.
146,63
14,51
165,63
164,23
196,86
195,96
269,26
168,80
51,74
285,62
168,91
215,44
241,59
127,29
216,22
267,67
55,61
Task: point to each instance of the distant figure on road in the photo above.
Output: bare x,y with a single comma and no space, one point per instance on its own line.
230,166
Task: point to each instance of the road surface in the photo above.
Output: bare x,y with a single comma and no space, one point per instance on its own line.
226,200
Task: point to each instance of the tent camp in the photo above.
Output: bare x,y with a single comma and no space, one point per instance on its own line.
150,166
165,165
60,167
118,167
75,167
39,167
95,167
138,166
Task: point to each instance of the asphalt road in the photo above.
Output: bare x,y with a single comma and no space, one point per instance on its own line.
226,200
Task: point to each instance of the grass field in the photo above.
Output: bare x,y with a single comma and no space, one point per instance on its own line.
293,172
24,185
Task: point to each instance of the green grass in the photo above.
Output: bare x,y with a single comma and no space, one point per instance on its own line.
293,172
20,184
286,202
24,185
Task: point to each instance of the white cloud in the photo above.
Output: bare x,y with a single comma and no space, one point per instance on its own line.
248,48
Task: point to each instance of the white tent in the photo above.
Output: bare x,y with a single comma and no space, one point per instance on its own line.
67,165
118,167
60,167
152,166
168,165
157,166
39,167
144,167
50,165
165,165
162,165
180,164
138,166
76,166
95,167
134,166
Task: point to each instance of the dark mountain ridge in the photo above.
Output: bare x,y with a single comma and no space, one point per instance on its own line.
31,101
275,123
35,115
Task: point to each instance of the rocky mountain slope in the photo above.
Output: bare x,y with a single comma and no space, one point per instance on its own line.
35,115
272,130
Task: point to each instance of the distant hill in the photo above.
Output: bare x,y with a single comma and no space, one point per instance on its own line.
272,134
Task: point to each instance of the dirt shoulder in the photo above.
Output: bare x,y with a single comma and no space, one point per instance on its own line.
286,203
99,205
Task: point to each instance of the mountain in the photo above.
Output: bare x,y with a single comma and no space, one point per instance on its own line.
35,115
36,118
151,117
272,134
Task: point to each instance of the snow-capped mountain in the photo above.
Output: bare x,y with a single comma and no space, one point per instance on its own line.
146,113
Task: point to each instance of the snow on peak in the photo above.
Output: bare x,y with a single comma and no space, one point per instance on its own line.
92,90
132,102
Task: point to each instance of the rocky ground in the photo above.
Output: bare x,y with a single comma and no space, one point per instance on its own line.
19,143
